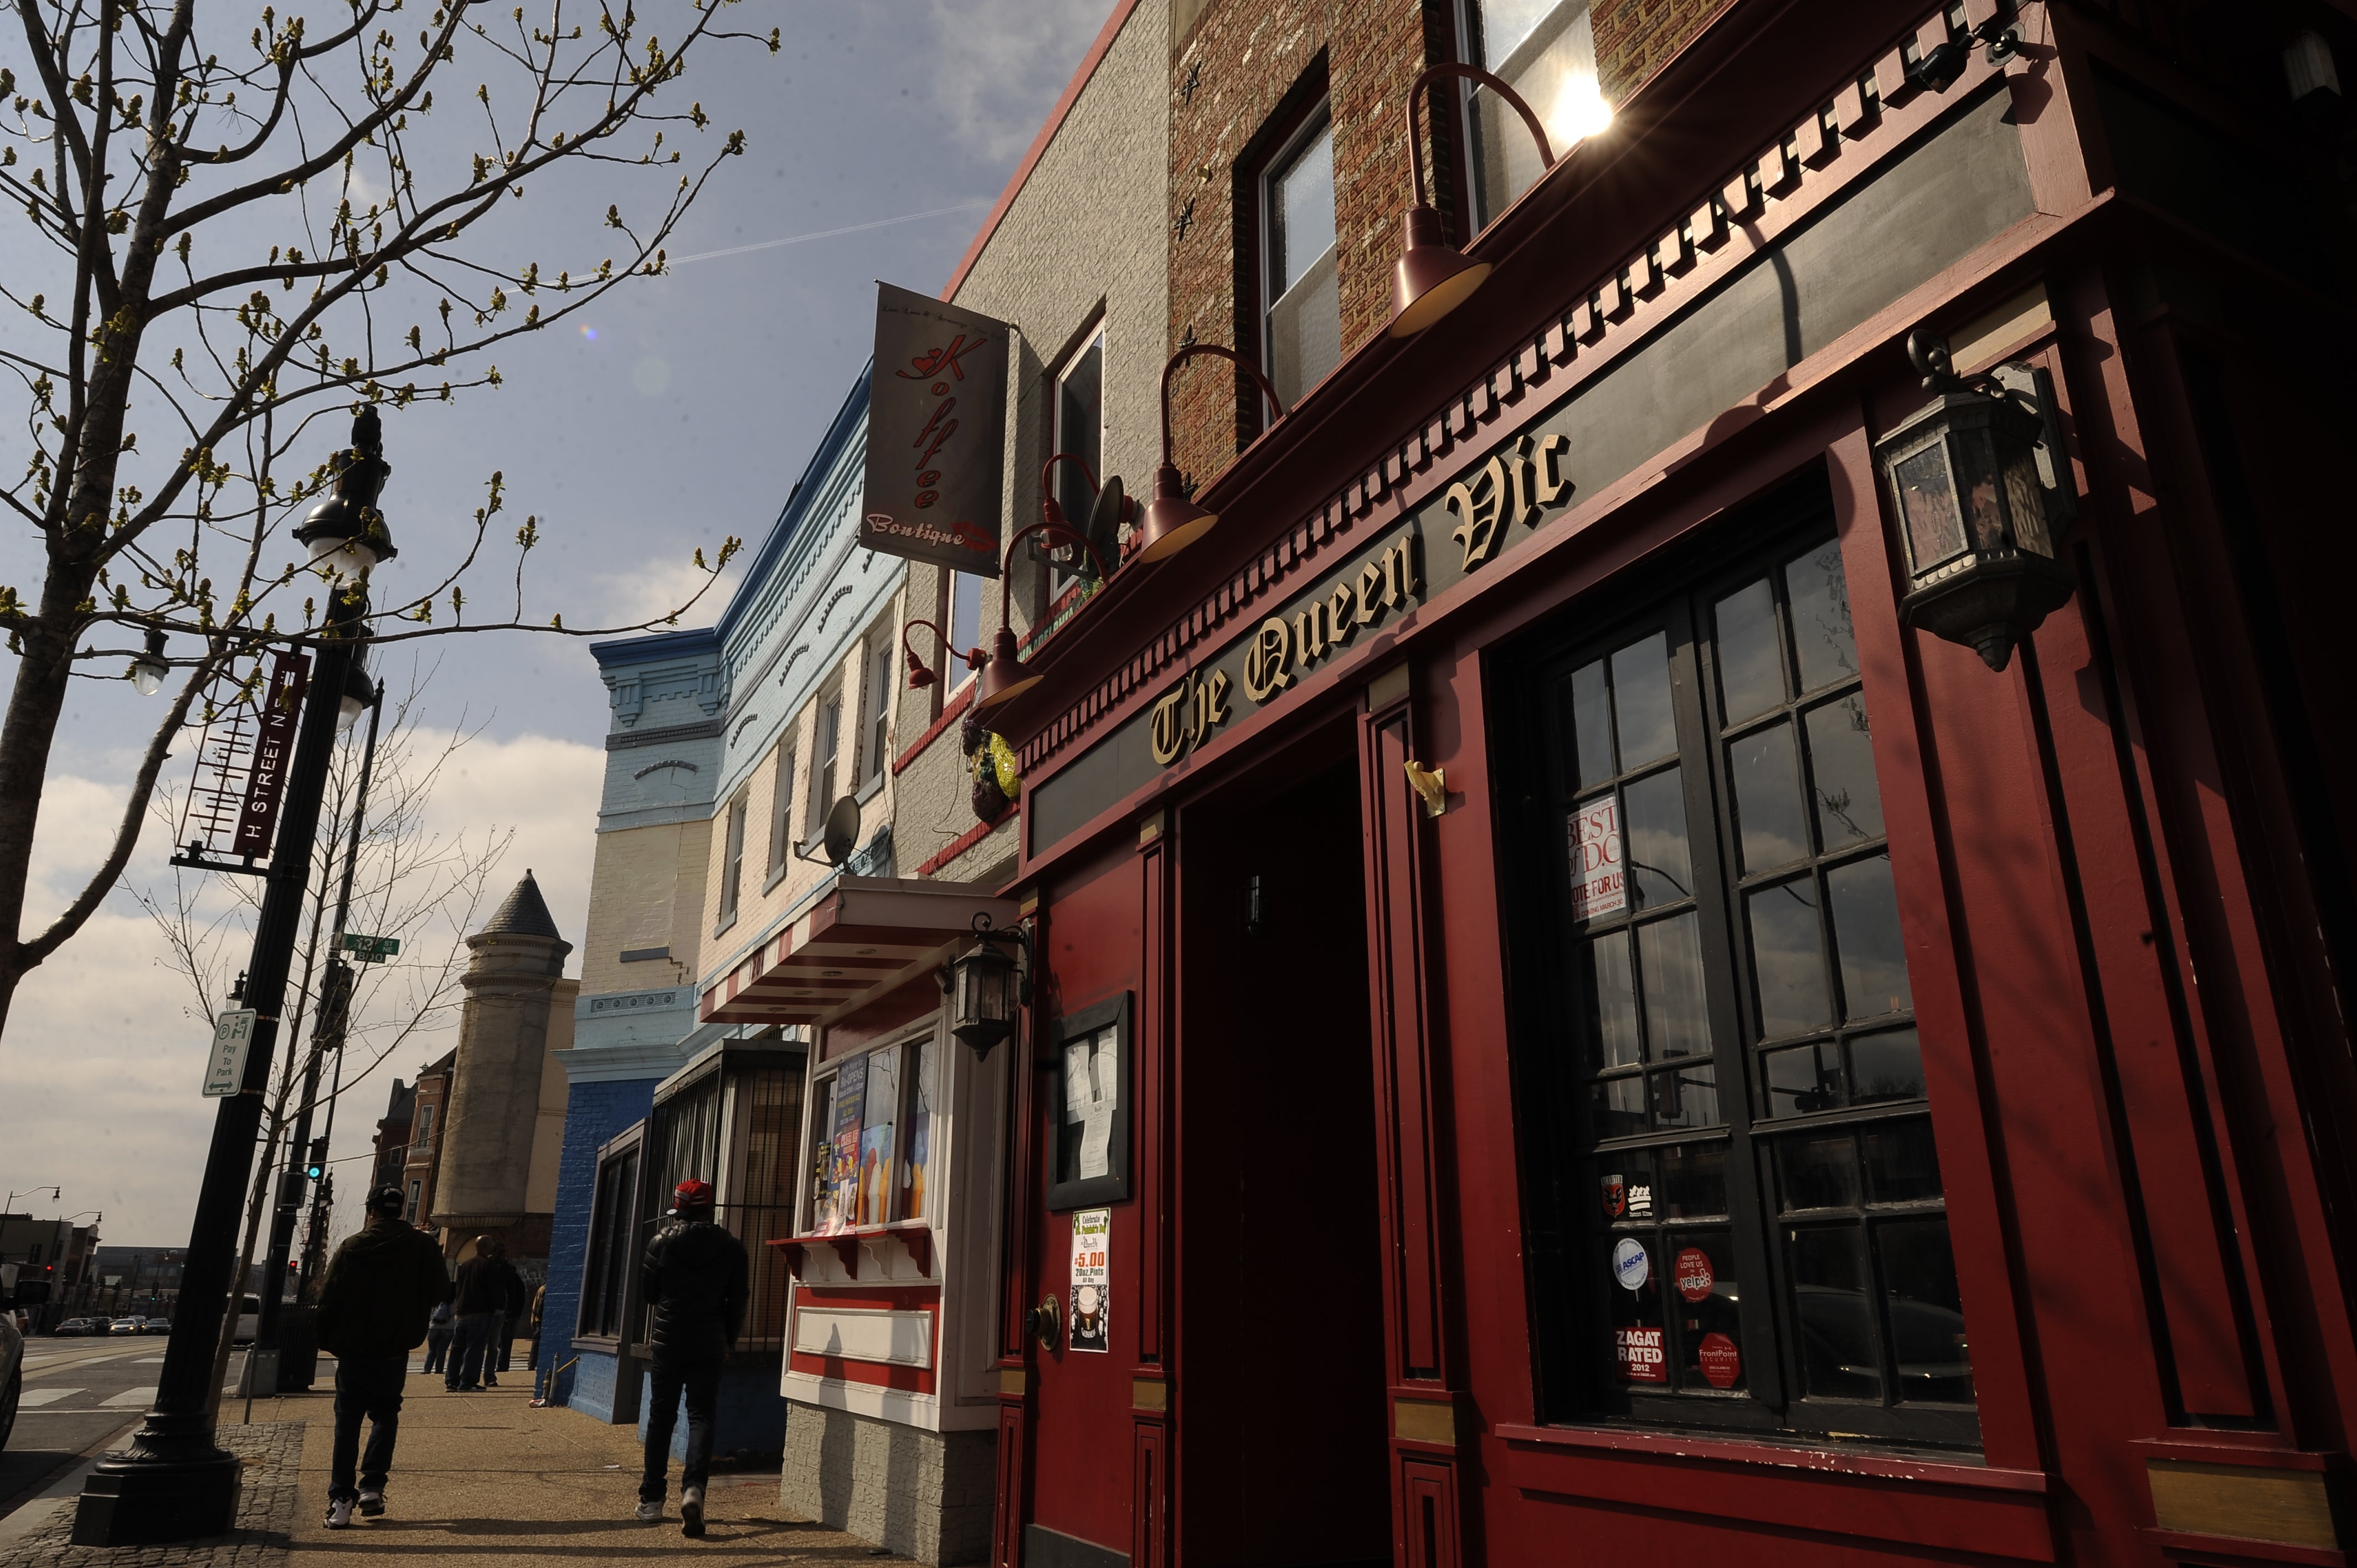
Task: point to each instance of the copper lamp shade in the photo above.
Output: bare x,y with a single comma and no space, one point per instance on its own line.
1432,278
1172,522
1004,678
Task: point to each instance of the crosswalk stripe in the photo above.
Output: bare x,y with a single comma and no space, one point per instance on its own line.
33,1398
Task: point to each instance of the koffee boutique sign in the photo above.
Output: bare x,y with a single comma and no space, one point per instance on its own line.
936,432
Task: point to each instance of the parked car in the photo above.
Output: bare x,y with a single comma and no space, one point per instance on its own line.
126,1326
156,1325
73,1327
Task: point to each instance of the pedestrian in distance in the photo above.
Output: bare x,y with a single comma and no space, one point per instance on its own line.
479,1296
539,1304
381,1290
438,1332
513,1302
693,1279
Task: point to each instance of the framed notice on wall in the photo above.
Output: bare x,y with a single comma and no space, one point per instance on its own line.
1088,1061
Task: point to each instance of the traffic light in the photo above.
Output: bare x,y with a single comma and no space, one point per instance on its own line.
317,1166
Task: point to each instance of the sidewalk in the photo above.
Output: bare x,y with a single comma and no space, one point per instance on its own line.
478,1478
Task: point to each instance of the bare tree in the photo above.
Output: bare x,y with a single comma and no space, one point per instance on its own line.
242,217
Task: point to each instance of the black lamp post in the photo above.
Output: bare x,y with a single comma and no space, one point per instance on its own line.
174,1483
1980,516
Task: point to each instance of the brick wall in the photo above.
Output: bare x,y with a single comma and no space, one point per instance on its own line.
1635,38
594,1113
926,1495
1242,58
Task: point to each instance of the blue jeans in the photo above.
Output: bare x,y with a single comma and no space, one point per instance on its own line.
366,1386
699,1381
470,1349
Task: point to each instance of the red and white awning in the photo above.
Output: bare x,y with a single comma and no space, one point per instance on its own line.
866,936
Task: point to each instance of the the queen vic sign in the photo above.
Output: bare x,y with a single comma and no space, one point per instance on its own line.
936,432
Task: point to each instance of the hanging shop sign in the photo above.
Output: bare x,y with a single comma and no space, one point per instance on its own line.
1091,1280
936,432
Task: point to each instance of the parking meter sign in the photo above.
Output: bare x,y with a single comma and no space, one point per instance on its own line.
232,1036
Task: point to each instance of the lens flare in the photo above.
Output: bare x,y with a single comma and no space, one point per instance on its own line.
590,333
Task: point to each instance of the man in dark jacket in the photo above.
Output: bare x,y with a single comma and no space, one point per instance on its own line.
693,1279
381,1287
482,1294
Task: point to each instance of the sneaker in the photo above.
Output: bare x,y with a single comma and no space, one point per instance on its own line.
650,1512
489,1381
690,1510
340,1513
372,1504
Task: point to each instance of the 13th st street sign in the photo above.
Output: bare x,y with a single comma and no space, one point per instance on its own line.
371,949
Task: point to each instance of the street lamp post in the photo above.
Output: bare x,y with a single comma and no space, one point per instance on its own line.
175,1483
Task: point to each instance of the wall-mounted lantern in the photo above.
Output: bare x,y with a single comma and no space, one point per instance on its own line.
985,986
1984,501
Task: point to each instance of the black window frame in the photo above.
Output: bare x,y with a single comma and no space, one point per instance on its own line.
1306,101
609,1258
732,862
781,810
1564,1160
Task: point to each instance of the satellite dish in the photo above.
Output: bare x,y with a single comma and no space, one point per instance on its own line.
1112,509
842,830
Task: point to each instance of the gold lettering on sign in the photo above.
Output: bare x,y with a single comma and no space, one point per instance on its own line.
1264,662
1508,488
1211,703
1170,725
1189,714
1341,614
1309,633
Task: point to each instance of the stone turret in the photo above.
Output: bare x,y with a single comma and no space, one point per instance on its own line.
497,1087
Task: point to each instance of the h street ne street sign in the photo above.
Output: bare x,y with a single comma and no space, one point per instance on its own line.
233,1033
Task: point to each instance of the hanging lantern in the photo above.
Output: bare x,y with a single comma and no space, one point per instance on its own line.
1979,521
986,986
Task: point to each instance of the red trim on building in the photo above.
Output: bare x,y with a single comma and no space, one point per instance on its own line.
964,842
1089,62
951,712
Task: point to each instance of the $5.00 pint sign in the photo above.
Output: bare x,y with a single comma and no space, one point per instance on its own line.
936,432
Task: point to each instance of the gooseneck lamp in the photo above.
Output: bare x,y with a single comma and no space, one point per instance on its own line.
920,675
1005,675
1172,522
1434,277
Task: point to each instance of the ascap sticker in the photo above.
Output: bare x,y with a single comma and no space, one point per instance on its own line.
1722,1363
1091,1280
1631,1266
1692,1274
1639,1353
1599,880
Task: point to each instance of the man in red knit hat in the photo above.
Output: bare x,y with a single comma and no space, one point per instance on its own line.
693,1279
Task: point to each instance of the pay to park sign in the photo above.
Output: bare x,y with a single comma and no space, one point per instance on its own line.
232,1039
936,432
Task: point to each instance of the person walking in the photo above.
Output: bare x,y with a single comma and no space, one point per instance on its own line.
513,1301
693,1279
381,1289
479,1293
438,1331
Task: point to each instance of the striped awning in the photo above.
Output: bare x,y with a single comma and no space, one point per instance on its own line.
865,937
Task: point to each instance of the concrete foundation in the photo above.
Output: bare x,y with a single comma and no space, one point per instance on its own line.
926,1495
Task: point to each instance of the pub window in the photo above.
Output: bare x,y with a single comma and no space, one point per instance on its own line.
732,867
827,739
1742,1222
1302,321
614,1239
1545,50
781,808
1080,430
872,1131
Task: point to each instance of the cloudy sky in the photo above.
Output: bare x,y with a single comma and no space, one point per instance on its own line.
679,411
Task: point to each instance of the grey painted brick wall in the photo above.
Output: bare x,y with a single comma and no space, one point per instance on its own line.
925,1495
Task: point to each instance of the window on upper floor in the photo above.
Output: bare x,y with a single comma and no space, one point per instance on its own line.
1737,1193
424,1139
1545,50
963,617
875,706
1301,320
826,741
732,862
781,808
1079,410
416,1191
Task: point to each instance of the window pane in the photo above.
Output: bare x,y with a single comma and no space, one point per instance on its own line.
1821,624
1901,1164
1804,1080
1817,1172
1305,330
966,623
1305,310
1750,664
1641,700
1788,958
1935,531
917,1152
1865,925
1301,215
1690,1180
1638,1345
1590,723
1828,1270
1545,50
1841,759
1080,430
1926,1312
1686,1096
1618,1104
1609,1003
1659,869
1885,1067
1768,798
1669,955
1702,1298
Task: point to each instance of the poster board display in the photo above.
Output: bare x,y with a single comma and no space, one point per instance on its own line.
1088,1055
841,1200
1091,1302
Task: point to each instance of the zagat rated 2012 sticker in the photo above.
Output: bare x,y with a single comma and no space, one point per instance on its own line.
1630,1264
1692,1274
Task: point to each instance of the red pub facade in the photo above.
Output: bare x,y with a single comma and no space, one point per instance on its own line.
1576,1017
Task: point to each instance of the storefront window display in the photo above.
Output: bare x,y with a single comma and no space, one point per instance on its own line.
1742,1169
871,1137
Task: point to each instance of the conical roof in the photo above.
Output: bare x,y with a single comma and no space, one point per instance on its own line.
525,913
